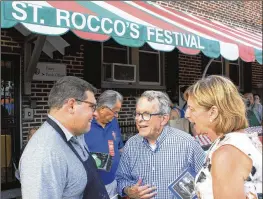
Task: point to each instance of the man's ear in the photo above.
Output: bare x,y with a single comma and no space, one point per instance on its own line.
71,105
100,110
165,120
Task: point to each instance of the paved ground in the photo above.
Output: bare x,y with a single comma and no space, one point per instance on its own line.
11,193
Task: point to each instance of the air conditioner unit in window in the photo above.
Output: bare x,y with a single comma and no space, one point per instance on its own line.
117,72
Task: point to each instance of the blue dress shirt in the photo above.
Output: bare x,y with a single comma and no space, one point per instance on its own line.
175,151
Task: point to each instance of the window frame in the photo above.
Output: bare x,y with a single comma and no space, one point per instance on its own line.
115,48
103,72
240,77
138,84
159,68
217,61
225,70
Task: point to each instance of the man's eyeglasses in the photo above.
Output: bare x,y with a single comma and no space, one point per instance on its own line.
92,105
145,116
116,113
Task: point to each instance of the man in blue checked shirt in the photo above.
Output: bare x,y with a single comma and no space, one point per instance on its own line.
155,157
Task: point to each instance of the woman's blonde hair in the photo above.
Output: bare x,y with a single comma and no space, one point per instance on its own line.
219,91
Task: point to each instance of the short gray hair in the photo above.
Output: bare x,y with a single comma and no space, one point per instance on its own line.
68,87
109,98
164,102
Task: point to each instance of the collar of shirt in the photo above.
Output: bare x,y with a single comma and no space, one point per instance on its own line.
66,132
94,121
159,140
79,140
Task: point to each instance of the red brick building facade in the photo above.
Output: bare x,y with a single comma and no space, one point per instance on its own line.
245,14
84,59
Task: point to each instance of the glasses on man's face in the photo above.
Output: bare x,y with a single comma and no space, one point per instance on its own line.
145,116
93,106
116,113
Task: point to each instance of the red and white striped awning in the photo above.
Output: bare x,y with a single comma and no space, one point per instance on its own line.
162,28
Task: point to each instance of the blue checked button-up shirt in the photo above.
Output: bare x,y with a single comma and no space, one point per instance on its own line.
175,151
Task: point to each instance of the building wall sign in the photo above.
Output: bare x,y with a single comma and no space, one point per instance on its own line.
134,24
126,30
49,71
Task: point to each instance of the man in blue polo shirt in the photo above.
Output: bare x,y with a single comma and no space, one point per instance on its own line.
105,136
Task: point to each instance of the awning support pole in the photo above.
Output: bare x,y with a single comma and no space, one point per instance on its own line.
31,38
206,68
30,61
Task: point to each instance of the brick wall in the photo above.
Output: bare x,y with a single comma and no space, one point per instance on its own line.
12,42
189,68
257,75
244,14
73,59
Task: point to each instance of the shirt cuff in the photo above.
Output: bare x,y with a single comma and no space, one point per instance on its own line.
122,190
123,193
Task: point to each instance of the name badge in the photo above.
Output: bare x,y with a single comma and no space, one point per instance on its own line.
111,147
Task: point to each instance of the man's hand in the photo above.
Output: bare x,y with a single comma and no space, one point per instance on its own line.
140,192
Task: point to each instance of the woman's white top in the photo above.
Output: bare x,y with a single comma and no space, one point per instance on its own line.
250,145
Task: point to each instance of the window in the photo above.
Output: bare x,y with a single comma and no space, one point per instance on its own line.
235,72
114,53
231,69
149,66
124,67
216,67
10,117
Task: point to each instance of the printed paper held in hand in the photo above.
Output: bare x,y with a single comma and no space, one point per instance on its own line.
114,197
183,186
103,160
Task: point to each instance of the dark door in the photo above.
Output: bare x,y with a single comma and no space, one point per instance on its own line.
10,119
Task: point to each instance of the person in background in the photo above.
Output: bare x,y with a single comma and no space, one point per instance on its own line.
31,132
155,157
233,168
182,102
257,99
56,162
105,135
177,119
254,111
4,115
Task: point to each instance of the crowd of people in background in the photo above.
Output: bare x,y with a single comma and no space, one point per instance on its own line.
210,127
254,109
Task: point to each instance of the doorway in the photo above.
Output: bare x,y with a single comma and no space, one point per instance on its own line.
10,119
